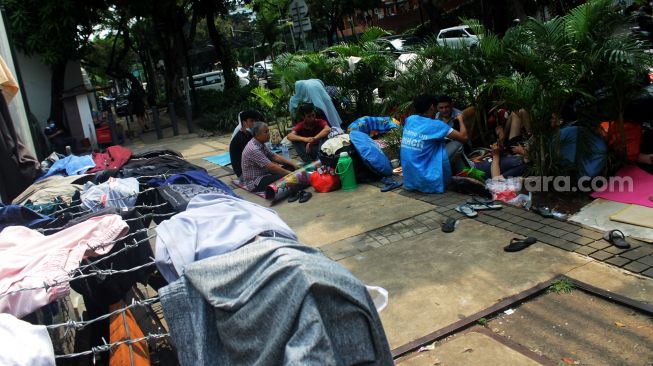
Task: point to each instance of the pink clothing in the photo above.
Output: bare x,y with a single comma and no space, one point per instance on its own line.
30,259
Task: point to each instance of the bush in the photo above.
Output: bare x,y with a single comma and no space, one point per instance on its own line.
218,111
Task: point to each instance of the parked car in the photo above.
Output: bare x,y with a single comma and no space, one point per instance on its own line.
242,72
122,105
460,36
263,69
215,80
400,44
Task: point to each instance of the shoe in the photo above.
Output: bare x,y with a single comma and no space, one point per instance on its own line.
294,196
304,196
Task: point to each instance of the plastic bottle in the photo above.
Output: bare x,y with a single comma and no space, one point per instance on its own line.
345,170
284,151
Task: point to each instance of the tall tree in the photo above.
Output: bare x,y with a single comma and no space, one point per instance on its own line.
212,10
57,31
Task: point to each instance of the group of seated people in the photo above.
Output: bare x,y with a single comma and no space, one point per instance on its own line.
435,139
254,163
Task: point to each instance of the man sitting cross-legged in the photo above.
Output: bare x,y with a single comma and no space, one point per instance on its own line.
307,136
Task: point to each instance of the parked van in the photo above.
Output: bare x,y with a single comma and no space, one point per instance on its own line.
209,80
215,80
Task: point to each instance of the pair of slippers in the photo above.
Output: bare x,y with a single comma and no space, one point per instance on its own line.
301,196
469,209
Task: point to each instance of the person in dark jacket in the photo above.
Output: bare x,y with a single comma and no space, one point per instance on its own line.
241,138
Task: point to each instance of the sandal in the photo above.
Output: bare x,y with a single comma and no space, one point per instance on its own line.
616,238
449,225
543,211
519,244
294,196
479,204
466,210
304,196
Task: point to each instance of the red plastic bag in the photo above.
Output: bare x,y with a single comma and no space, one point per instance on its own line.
324,181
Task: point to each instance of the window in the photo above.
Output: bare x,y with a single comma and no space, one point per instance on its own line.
198,81
455,33
213,79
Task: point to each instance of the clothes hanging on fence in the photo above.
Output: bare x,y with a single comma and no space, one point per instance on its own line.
24,343
158,165
44,191
70,165
200,177
273,302
178,195
113,158
29,259
12,215
115,192
123,326
212,224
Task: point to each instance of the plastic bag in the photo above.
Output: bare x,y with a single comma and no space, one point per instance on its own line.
325,180
504,190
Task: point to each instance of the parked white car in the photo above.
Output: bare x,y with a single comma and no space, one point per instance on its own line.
214,80
460,36
242,72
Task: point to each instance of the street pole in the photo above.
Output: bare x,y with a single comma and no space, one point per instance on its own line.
299,20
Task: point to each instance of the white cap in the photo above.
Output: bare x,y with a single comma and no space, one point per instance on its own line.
344,153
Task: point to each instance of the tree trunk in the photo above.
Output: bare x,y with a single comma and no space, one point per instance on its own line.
223,51
56,91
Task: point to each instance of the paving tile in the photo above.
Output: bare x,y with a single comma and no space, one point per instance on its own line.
648,272
583,240
585,250
566,245
504,225
601,255
343,254
648,260
636,267
394,238
618,261
592,234
494,222
408,234
614,250
420,230
571,237
531,224
600,244
547,230
637,253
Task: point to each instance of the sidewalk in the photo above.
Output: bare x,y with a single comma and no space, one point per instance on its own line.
434,279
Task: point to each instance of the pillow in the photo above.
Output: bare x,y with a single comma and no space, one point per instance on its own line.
371,153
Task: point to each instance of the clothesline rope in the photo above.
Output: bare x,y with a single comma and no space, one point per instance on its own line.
108,347
127,247
145,216
81,324
78,203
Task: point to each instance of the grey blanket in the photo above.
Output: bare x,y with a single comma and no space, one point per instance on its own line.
273,302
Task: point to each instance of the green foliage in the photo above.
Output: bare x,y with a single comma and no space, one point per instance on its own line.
219,110
563,286
392,140
483,322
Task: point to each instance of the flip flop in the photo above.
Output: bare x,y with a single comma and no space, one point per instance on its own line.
449,225
304,196
479,205
466,210
616,238
294,196
519,244
543,211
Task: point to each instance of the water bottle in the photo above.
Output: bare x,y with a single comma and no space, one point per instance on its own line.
284,151
345,170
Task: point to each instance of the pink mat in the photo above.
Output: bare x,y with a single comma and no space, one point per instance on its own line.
642,188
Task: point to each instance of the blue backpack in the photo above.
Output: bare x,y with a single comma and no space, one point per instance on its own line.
371,153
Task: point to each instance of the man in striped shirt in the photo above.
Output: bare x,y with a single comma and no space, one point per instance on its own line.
260,165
